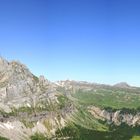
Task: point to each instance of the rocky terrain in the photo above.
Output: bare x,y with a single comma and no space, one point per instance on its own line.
116,117
28,101
32,107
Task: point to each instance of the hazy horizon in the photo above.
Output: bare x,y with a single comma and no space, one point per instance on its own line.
85,40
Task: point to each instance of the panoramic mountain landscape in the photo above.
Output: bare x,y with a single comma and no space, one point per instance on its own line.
34,108
69,70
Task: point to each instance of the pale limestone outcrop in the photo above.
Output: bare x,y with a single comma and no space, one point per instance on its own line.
116,117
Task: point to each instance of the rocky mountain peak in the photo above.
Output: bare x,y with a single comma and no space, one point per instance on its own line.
3,64
14,73
16,81
122,85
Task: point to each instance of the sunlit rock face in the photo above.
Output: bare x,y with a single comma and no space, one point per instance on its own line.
17,81
28,104
116,117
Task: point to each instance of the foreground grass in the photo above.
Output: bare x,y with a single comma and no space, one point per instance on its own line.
2,138
136,138
38,136
76,132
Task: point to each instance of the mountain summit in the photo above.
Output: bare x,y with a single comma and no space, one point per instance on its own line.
122,85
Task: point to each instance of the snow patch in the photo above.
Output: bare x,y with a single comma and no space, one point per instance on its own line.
8,125
28,105
1,125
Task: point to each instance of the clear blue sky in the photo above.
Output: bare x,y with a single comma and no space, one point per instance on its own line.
92,40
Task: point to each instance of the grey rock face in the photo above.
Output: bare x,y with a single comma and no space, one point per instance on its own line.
115,117
20,88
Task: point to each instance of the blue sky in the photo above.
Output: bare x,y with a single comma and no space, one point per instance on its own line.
92,40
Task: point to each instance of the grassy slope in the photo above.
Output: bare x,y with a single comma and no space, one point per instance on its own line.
2,138
85,127
109,98
136,138
76,132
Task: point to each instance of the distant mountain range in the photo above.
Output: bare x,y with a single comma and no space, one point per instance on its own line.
122,85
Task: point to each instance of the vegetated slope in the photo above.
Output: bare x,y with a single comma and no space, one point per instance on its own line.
34,108
122,102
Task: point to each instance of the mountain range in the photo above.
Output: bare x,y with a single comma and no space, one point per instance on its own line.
34,108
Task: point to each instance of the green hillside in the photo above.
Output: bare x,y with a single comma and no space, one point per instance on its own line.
83,126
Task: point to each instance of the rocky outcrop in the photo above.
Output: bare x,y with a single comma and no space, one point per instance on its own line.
116,117
18,130
122,85
19,87
28,103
